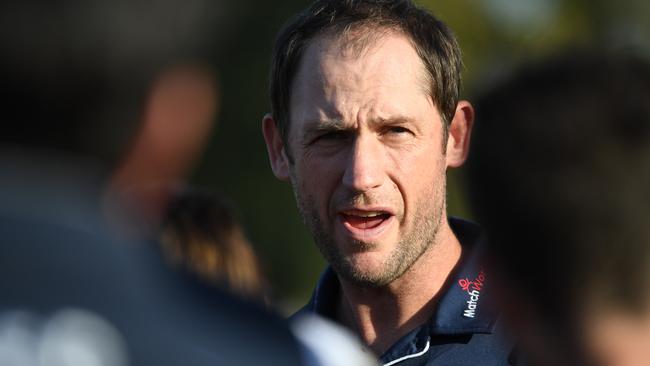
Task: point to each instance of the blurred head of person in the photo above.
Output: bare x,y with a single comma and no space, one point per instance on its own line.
77,75
559,175
80,78
201,235
177,122
127,85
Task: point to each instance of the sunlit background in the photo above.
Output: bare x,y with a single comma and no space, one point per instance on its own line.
495,36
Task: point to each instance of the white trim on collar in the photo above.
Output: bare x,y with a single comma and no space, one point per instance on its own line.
425,350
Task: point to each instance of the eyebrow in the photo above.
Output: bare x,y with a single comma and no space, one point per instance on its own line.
325,126
331,125
392,121
338,124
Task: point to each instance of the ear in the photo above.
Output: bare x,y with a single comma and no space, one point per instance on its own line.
275,148
460,131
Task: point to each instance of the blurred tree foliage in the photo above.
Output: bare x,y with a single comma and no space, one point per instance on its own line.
495,35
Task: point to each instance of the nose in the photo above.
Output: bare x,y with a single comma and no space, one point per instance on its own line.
364,169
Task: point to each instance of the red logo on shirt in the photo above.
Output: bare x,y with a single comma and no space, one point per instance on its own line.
473,288
477,284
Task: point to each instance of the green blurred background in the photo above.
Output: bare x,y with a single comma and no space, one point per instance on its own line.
495,35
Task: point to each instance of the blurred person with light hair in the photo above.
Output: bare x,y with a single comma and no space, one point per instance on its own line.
560,176
201,234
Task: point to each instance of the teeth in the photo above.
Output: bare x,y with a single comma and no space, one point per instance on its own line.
365,213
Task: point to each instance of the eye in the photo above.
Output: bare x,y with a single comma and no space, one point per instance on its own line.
398,130
331,136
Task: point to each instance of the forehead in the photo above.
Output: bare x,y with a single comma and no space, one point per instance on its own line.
377,73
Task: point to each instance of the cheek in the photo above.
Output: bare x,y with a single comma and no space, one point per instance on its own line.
417,155
421,181
321,168
418,170
313,181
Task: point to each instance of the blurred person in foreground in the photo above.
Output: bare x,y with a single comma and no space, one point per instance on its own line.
71,293
560,176
365,121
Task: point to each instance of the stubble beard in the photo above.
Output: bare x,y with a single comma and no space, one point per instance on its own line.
418,240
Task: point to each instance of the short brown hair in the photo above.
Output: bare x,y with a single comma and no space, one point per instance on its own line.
433,41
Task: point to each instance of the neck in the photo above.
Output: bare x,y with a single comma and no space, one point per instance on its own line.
382,315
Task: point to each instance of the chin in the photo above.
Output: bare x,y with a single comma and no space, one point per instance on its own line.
363,269
366,262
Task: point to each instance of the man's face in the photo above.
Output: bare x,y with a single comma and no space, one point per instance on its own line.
368,168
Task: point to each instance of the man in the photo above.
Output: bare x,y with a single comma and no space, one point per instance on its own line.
72,293
562,161
365,121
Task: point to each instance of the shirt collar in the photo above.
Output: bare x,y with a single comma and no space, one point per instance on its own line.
465,305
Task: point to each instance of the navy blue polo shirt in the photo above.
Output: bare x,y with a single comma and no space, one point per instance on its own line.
463,329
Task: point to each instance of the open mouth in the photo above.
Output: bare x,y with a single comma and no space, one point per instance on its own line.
364,220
